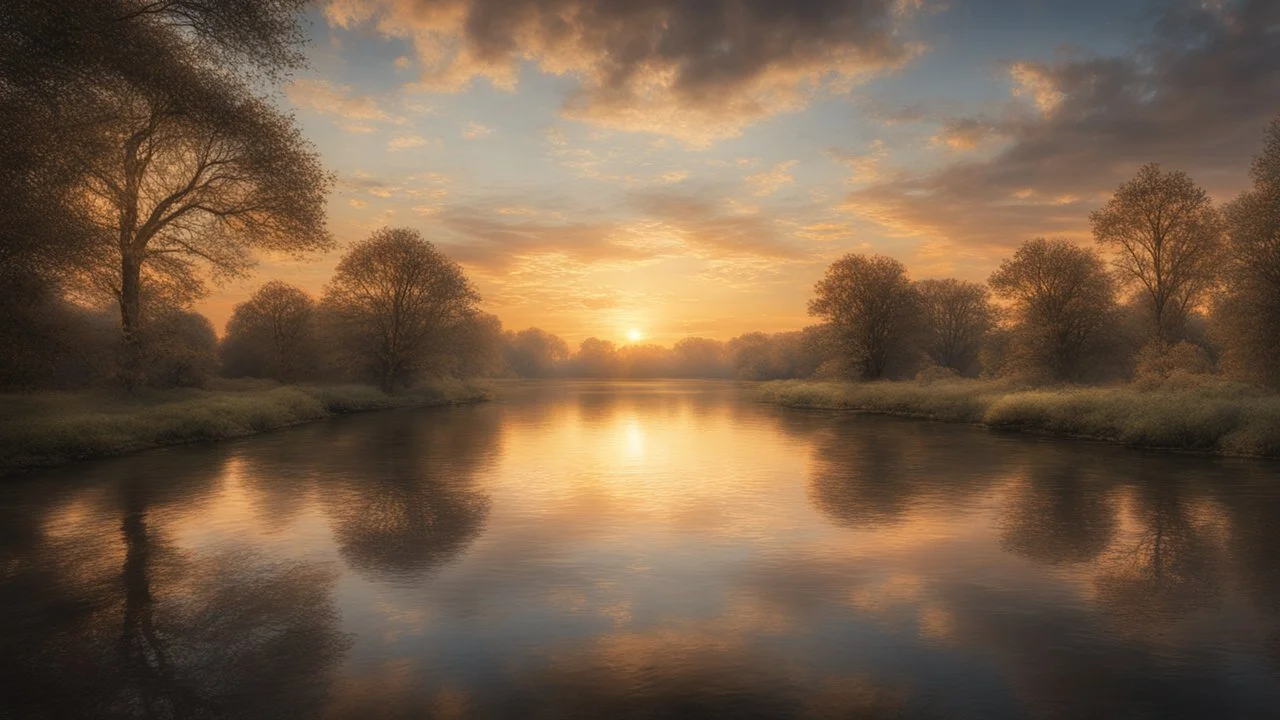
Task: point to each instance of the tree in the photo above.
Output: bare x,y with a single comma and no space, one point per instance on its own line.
179,347
957,316
1248,313
596,358
1168,242
700,357
272,334
1064,308
477,346
140,147
394,300
534,352
871,307
204,175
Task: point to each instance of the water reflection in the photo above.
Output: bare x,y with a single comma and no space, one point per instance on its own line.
868,474
643,550
1059,513
108,617
402,501
1169,565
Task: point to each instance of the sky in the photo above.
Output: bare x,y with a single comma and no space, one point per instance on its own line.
691,167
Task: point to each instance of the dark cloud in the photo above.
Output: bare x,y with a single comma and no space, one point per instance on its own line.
697,69
1195,97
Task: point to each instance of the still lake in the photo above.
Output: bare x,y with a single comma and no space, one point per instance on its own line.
641,550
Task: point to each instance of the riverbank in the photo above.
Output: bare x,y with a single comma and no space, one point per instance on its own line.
1217,417
47,429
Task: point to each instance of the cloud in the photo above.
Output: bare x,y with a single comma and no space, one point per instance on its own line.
864,167
481,236
773,179
1037,82
965,133
702,226
474,130
405,142
354,112
697,70
1195,97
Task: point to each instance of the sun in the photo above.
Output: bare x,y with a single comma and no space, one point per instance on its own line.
634,335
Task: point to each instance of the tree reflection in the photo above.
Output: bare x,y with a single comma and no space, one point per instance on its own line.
1253,506
143,628
1058,515
868,472
401,498
1170,565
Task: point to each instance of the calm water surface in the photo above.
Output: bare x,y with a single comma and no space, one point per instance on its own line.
619,550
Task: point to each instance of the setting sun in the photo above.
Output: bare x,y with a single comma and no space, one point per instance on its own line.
634,335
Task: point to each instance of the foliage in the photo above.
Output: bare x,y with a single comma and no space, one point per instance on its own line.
50,428
1247,315
1064,310
179,349
533,353
1212,416
1168,242
394,305
872,309
1160,363
143,151
957,316
271,335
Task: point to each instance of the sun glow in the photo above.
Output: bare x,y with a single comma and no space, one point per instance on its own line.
634,335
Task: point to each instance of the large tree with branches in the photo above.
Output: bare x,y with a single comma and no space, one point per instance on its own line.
1167,239
146,154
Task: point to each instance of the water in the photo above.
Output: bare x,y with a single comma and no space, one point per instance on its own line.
620,550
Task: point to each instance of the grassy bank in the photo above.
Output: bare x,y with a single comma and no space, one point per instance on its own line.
1219,417
45,429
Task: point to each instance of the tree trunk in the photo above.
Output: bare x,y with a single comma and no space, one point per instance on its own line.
130,321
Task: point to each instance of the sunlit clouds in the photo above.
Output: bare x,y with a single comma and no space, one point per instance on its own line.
701,161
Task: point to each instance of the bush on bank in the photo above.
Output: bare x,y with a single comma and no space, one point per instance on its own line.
51,428
1218,416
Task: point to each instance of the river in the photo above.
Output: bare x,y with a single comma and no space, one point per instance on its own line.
649,550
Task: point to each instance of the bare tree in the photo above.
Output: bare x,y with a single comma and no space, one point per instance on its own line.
395,301
1167,237
1248,313
272,334
1064,307
957,316
871,307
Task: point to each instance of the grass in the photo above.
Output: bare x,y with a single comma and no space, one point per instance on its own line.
45,429
1214,416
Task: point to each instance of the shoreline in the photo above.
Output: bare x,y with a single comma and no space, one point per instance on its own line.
47,430
1216,418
